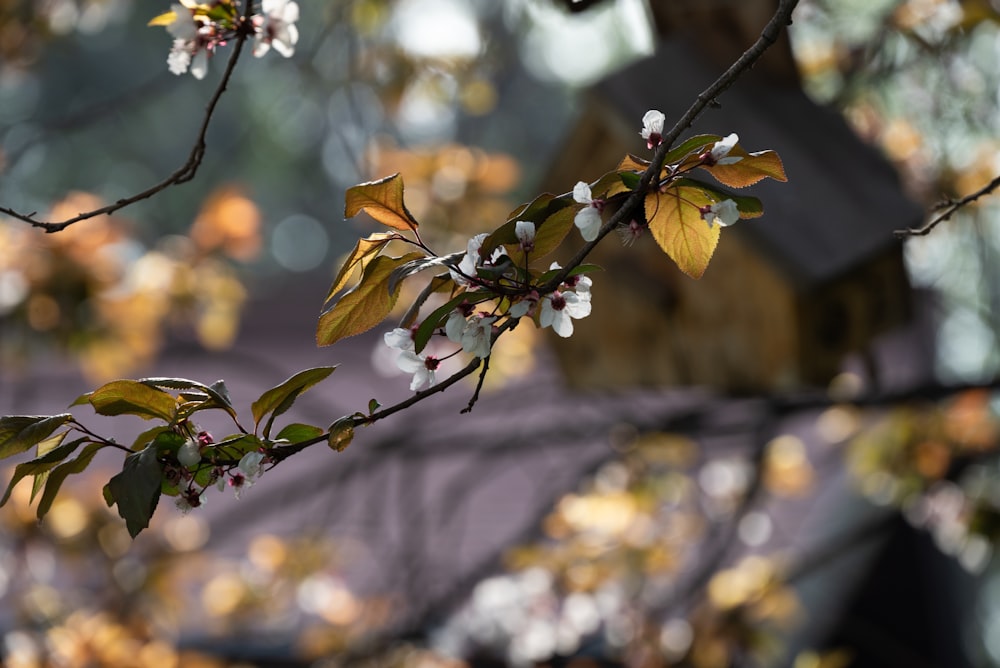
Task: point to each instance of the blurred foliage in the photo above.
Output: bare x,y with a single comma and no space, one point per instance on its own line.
78,592
916,77
97,293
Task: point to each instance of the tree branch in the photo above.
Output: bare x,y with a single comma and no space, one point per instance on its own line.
768,36
183,174
950,206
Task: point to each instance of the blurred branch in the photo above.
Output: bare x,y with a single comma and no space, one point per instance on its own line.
949,207
183,174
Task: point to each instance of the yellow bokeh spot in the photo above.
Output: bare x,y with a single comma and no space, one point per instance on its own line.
268,553
223,594
67,518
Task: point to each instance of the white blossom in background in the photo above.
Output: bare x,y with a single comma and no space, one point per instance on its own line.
719,155
652,127
276,28
183,27
587,219
421,367
725,213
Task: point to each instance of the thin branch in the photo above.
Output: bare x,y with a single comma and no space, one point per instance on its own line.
479,385
950,207
768,36
183,174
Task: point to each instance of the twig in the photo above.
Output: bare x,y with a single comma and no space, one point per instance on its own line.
183,174
950,207
768,36
479,385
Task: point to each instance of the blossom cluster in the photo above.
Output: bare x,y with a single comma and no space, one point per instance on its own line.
472,325
491,290
189,456
199,29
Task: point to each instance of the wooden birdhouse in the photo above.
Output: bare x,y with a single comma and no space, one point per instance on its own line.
787,295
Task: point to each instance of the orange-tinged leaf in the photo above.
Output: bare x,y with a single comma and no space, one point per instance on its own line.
676,223
748,171
633,163
382,200
364,306
164,19
364,250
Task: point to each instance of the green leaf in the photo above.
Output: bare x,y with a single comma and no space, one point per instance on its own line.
434,320
364,306
630,179
575,271
144,439
20,432
214,399
279,399
747,205
298,433
130,397
136,490
552,231
58,475
51,453
692,145
382,200
341,434
373,405
363,251
675,220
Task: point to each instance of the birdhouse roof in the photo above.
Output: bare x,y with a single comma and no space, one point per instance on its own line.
843,200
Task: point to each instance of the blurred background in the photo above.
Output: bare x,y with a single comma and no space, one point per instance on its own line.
789,463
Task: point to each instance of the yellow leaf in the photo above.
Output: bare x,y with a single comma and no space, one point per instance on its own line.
164,19
676,223
382,200
364,306
363,250
748,171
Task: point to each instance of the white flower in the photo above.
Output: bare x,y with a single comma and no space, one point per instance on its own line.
199,64
251,465
277,28
189,454
478,335
421,367
721,150
189,499
725,212
587,219
652,127
399,339
186,54
183,27
180,57
525,306
560,308
475,333
525,232
472,260
581,286
454,327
